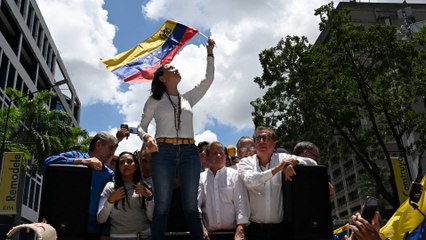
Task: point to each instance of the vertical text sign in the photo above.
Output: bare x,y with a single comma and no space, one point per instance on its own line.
9,182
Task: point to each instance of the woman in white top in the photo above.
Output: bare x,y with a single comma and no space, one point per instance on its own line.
126,202
173,148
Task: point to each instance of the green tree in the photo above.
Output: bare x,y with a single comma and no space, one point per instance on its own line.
37,130
78,141
353,94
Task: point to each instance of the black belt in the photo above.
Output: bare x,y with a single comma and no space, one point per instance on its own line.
265,225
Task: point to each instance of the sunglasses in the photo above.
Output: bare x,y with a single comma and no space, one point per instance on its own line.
265,138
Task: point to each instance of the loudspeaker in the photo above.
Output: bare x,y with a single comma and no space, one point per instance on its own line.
307,209
65,199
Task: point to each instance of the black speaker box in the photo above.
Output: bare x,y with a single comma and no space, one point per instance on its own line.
65,199
307,209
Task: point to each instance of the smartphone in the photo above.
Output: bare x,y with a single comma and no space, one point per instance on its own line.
149,187
133,130
145,184
124,126
371,205
415,192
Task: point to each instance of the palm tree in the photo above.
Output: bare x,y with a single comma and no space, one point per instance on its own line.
79,141
38,131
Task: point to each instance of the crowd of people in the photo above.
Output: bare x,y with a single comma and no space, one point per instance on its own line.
133,195
123,203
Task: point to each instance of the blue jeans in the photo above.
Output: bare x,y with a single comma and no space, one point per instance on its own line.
184,160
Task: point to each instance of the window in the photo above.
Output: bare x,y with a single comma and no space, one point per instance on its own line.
337,173
353,195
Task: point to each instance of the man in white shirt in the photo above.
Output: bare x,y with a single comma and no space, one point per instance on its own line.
245,147
222,197
262,175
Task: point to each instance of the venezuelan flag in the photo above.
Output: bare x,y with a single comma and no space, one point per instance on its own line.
340,233
419,233
406,219
139,63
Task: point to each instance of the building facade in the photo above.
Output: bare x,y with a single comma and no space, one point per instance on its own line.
30,62
346,174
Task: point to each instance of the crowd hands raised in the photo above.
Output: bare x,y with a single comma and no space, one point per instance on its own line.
361,229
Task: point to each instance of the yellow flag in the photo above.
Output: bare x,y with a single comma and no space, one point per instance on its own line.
339,230
405,219
402,177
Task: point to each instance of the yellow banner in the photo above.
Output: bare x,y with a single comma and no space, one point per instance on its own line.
405,219
9,182
402,177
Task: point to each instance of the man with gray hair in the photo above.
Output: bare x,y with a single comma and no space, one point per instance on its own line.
310,150
263,175
306,149
101,151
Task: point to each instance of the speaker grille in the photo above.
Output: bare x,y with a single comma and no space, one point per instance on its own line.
307,209
65,199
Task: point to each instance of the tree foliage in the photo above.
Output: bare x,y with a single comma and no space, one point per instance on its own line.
38,131
352,95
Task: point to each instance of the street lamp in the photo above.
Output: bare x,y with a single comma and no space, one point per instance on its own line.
9,104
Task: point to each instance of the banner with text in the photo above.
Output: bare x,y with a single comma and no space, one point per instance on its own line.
9,181
402,177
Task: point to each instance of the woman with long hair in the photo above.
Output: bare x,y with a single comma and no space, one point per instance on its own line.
173,149
126,201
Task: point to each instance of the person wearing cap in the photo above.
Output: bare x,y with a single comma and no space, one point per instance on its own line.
262,175
173,147
101,151
222,197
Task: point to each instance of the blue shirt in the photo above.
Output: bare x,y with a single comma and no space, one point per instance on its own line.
99,180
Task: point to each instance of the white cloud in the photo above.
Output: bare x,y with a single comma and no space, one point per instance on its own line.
208,136
82,34
131,144
241,28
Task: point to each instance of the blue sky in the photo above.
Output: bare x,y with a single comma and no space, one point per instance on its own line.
132,29
87,30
